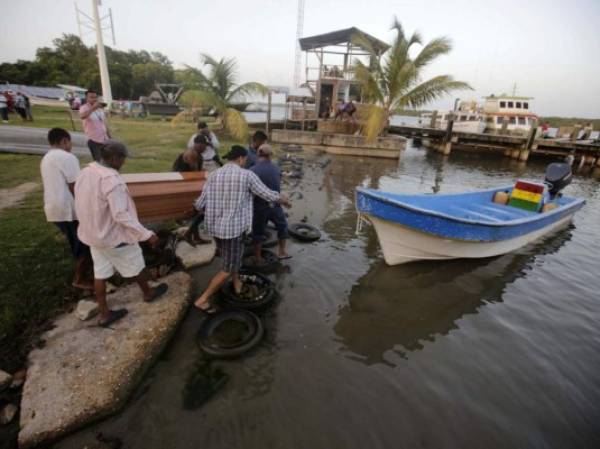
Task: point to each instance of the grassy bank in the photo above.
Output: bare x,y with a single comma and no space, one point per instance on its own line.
35,262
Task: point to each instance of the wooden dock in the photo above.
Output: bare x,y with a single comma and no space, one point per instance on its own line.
516,147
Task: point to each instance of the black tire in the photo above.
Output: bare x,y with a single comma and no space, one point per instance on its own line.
270,241
228,350
270,261
304,232
229,299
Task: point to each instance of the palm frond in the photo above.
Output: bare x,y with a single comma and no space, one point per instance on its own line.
368,78
430,90
376,122
433,49
197,75
243,90
362,41
396,25
235,124
180,118
222,74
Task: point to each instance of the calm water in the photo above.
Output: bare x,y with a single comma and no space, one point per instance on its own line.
496,353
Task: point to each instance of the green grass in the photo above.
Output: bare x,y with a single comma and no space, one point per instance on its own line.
35,263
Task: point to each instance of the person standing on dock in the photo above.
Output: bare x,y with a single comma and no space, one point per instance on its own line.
226,200
59,170
4,107
259,138
94,123
270,175
109,224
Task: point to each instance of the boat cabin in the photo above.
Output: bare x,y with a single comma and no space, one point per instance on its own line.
509,111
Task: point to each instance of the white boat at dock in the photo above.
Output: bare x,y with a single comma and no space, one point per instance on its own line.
515,110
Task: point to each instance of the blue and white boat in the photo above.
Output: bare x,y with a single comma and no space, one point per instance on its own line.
463,225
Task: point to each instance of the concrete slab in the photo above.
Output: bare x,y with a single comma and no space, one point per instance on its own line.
85,372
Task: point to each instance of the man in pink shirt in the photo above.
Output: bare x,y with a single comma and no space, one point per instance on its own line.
109,225
94,123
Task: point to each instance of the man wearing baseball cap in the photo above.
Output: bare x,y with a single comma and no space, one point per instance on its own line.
227,201
109,225
264,211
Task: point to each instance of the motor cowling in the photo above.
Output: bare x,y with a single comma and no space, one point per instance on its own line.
558,176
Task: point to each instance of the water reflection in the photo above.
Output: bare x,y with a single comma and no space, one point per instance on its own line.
399,308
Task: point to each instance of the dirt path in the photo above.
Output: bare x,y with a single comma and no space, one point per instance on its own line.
12,197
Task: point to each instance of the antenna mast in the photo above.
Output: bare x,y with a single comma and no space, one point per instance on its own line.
299,30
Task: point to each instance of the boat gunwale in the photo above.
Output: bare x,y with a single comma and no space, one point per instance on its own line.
515,222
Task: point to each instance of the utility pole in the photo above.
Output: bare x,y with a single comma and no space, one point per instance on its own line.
299,31
104,78
94,23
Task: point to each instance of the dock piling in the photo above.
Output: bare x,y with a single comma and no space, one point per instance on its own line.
447,142
524,153
433,119
504,129
575,132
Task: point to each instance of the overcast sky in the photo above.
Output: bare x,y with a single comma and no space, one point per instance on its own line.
549,48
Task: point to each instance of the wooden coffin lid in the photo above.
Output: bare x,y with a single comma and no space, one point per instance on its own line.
165,196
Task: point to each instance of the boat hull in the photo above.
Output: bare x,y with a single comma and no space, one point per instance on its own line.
401,244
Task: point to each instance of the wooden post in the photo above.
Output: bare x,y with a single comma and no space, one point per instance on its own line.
71,117
447,144
524,153
504,129
575,133
318,93
269,114
433,119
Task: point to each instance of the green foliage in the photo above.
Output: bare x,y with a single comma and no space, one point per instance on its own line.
218,90
132,73
394,83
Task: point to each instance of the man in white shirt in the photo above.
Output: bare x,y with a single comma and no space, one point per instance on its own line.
59,170
213,141
94,123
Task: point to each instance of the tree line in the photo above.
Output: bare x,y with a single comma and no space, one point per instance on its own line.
70,61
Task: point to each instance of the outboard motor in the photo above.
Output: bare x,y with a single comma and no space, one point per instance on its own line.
558,176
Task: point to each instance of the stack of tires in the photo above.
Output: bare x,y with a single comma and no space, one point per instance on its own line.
238,311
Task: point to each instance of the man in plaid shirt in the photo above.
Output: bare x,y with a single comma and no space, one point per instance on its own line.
227,203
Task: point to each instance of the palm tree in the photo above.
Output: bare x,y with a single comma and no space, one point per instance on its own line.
218,90
393,83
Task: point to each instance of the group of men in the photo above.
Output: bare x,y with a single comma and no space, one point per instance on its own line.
19,103
95,212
